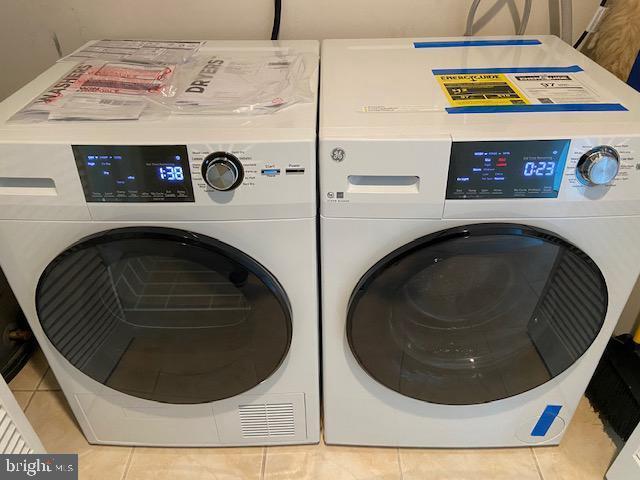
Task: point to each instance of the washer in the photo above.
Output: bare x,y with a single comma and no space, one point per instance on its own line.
474,265
171,283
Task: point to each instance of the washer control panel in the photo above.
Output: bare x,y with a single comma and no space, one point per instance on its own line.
598,166
506,169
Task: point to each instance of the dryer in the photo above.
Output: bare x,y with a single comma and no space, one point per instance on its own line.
168,268
474,262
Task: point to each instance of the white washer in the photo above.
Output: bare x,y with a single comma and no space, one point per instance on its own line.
187,320
470,280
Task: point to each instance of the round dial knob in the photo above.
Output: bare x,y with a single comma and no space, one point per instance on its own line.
598,166
222,171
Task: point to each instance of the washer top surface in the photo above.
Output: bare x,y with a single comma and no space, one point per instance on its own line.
294,123
394,75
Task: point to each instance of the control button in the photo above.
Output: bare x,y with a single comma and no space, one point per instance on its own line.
598,166
222,171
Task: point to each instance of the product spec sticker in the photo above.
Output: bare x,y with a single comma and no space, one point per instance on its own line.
488,89
556,88
495,89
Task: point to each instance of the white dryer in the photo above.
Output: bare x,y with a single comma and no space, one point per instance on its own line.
474,262
168,268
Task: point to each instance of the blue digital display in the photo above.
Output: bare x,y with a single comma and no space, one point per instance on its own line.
134,173
539,169
171,173
506,169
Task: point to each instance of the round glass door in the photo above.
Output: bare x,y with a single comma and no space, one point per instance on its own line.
165,315
476,314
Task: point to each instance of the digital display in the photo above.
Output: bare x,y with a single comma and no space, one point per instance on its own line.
506,169
171,173
154,173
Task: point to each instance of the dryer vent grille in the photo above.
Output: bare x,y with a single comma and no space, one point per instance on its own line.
11,440
267,420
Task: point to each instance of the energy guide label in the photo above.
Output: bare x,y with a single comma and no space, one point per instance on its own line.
486,89
520,86
554,88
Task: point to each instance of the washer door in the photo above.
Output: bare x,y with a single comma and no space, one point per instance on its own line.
165,315
476,314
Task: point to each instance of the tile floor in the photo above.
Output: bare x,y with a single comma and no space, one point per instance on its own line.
585,454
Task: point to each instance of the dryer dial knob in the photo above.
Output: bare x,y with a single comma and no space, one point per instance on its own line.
598,166
222,171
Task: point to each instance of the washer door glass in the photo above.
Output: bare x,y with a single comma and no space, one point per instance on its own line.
165,315
476,314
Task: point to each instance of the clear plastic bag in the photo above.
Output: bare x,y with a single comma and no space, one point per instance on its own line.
99,89
102,90
242,84
141,51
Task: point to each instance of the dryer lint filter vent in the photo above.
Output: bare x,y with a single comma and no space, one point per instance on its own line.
267,420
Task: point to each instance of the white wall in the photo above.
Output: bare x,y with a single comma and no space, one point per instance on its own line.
28,27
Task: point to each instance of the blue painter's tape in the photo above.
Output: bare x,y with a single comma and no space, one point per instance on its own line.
473,71
546,419
476,43
543,107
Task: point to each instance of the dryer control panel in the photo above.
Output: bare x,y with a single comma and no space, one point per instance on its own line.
152,182
133,173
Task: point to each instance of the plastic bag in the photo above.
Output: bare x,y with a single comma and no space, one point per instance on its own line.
102,90
141,51
243,84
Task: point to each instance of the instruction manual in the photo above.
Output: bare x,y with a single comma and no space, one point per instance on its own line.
141,51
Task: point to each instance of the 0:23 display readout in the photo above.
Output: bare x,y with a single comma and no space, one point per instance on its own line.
506,169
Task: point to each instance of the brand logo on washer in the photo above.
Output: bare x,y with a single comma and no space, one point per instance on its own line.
338,154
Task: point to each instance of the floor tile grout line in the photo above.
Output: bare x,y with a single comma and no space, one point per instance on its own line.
128,464
33,394
263,466
399,463
42,378
535,461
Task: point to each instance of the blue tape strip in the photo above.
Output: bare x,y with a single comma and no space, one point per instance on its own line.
546,419
544,107
476,43
472,71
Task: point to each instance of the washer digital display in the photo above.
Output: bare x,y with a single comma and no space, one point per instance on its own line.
152,173
506,169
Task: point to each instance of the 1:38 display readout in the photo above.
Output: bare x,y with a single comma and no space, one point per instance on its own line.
171,173
134,173
506,169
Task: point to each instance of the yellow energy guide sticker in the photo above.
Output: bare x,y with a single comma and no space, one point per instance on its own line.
486,89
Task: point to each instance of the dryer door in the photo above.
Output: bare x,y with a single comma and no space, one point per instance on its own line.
476,314
165,315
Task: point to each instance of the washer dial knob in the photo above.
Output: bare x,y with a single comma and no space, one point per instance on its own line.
598,166
222,171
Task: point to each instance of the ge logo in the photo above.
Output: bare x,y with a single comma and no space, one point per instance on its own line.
338,154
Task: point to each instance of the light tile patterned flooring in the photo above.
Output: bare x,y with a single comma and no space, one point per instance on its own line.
585,454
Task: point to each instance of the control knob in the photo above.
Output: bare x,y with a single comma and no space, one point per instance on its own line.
598,166
222,171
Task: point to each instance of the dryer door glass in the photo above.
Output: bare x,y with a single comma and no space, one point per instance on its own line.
476,314
165,315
